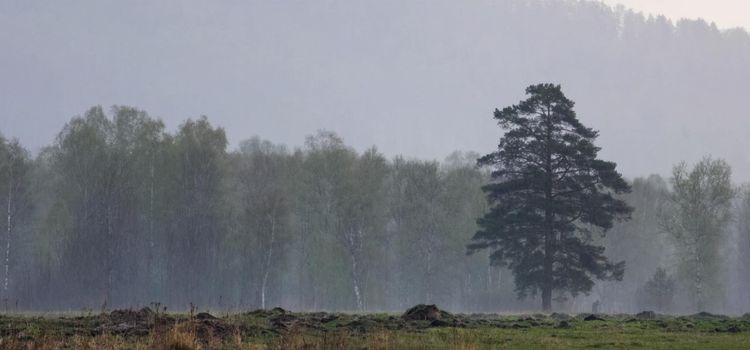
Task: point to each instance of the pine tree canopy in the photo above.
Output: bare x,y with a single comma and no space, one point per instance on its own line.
549,193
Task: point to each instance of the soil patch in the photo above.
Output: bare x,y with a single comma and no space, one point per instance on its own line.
424,312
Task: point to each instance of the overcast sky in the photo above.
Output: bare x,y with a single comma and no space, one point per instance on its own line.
418,78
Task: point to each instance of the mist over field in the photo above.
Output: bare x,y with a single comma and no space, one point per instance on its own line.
359,156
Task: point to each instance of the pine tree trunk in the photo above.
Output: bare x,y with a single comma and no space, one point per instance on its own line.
547,286
489,271
549,234
549,251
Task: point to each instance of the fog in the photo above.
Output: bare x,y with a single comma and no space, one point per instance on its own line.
383,73
336,166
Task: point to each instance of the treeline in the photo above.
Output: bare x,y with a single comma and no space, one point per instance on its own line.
687,247
118,212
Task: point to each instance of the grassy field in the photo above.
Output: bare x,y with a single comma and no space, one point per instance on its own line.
279,329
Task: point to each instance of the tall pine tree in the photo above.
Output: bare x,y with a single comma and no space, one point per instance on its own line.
549,193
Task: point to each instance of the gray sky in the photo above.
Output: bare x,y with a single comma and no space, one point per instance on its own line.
418,78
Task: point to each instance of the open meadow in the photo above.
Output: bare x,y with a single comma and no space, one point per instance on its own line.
422,327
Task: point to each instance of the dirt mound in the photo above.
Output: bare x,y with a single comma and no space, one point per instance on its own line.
143,315
708,316
282,321
424,312
328,318
278,310
362,325
205,316
646,315
593,317
267,313
212,328
127,322
559,316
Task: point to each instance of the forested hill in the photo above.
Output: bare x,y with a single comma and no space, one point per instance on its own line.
392,73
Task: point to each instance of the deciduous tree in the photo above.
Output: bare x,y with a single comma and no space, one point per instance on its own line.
696,216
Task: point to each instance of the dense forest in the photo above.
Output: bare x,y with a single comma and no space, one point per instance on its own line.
118,212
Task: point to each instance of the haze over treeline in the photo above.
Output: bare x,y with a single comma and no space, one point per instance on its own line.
117,212
395,74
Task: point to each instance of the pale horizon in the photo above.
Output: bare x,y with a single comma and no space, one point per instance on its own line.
726,14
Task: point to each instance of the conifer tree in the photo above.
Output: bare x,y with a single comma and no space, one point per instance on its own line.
549,193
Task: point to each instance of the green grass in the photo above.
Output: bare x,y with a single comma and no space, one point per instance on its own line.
269,330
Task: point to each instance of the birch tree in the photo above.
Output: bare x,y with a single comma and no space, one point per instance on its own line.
361,204
417,215
338,207
696,216
80,160
14,168
200,216
262,175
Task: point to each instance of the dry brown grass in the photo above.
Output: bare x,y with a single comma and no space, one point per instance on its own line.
188,335
236,342
176,338
101,342
179,337
44,343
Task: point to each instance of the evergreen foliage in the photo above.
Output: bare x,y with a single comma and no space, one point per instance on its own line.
549,193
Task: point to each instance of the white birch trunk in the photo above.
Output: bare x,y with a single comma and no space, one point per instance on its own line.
698,278
6,280
354,240
110,252
355,282
267,267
